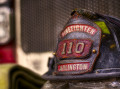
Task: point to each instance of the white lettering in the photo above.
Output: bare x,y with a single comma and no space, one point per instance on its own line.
92,31
88,30
70,48
77,28
69,29
81,28
85,28
73,67
84,66
77,48
64,47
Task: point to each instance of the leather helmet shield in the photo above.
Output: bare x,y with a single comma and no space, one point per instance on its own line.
78,48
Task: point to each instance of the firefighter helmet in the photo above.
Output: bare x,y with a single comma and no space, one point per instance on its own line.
88,48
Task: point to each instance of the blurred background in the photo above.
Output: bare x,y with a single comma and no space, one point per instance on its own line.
29,31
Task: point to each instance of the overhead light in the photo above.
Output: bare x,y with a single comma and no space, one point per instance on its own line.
3,1
2,32
1,17
4,25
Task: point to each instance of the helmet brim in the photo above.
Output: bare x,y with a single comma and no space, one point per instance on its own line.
89,76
